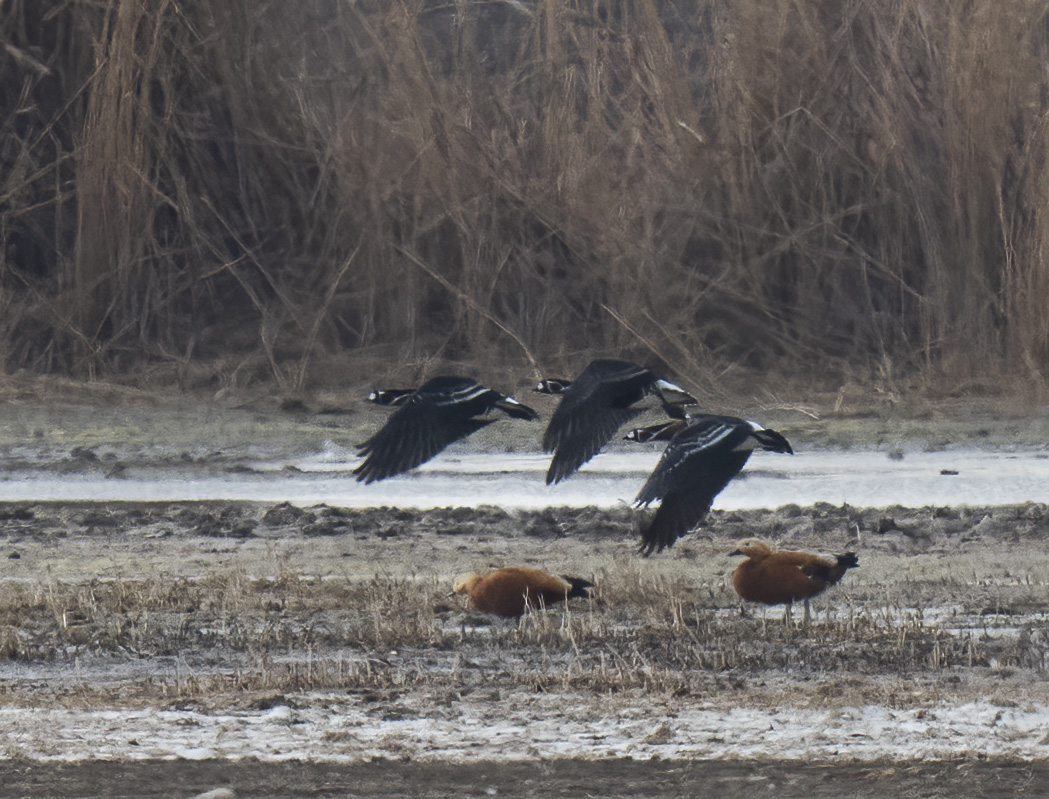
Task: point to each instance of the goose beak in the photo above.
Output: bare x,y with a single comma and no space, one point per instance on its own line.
735,552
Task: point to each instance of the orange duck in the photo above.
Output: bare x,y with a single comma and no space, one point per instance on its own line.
782,577
509,591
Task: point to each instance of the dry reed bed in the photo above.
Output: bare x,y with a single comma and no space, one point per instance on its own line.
218,193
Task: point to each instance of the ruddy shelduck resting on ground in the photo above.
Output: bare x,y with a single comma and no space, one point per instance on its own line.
509,591
782,577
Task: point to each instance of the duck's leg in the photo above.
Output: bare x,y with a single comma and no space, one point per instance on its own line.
806,617
764,624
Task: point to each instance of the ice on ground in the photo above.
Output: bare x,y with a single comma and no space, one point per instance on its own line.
335,729
515,481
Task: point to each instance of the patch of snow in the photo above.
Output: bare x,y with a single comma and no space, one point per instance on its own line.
336,730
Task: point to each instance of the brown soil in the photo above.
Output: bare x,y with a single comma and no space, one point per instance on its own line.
958,779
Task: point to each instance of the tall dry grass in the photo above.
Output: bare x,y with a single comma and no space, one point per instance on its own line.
839,189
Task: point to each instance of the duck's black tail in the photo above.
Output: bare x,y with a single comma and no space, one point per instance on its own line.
772,441
845,562
580,588
848,561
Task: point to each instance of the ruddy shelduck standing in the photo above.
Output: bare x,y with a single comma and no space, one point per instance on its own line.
510,591
782,577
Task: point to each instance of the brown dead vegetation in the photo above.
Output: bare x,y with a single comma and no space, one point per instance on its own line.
216,193
950,600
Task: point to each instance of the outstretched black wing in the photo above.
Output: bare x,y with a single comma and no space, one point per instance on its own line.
437,414
592,409
409,438
696,466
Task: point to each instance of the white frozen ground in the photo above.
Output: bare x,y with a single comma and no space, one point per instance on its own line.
527,726
457,478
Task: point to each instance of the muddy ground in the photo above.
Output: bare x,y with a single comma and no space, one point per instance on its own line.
142,641
613,779
193,622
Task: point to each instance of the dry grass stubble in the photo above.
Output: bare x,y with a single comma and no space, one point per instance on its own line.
185,619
